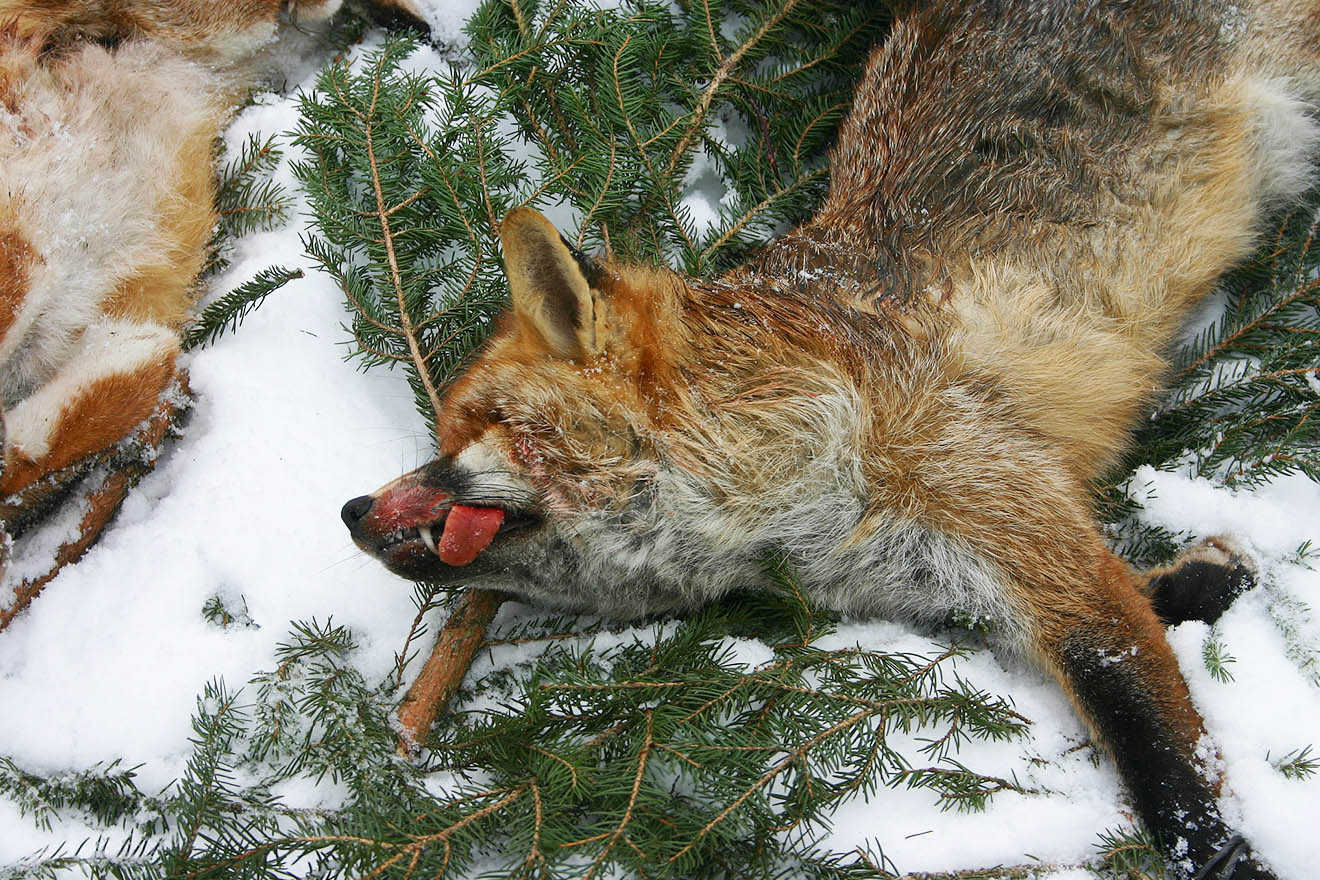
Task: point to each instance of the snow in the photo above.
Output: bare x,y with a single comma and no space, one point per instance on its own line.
446,18
108,661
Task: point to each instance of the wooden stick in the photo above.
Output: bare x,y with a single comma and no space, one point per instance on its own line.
450,659
128,465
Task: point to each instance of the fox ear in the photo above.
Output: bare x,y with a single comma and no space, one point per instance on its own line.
549,285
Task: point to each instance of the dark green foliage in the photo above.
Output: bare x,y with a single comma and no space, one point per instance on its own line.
632,110
227,312
107,794
1244,404
225,612
1246,390
1130,853
661,755
247,199
409,174
650,752
1298,764
1216,657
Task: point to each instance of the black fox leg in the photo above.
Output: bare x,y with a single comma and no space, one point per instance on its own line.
1109,652
1201,583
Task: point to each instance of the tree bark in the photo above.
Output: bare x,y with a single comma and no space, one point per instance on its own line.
449,662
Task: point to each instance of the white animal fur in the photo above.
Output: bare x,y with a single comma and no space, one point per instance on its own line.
104,349
85,162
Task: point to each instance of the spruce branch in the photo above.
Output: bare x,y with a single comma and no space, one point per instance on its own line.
650,752
443,672
1297,764
227,312
1246,390
683,766
1216,657
1131,852
247,199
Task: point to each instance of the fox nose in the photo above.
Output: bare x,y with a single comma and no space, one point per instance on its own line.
353,511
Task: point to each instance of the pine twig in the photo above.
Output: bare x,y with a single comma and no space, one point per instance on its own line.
450,659
227,313
383,217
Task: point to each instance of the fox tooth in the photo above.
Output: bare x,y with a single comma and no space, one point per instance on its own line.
427,538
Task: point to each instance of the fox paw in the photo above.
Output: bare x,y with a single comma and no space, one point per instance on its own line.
1202,582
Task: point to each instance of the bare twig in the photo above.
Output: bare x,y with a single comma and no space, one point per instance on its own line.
444,670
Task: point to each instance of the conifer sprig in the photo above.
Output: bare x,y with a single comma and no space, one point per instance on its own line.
661,753
226,313
1298,764
408,175
247,198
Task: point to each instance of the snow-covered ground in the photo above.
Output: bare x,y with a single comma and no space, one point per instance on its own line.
107,662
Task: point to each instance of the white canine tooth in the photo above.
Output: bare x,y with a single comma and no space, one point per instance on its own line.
427,539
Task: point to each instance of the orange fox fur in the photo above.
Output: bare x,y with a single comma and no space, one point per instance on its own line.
911,394
109,112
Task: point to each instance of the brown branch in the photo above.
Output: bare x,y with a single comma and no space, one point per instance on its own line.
632,800
773,772
549,754
444,669
641,148
405,320
482,74
1255,324
553,637
723,73
253,209
806,130
534,855
586,218
262,152
401,660
756,209
416,844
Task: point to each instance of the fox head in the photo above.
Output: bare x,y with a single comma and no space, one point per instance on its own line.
599,453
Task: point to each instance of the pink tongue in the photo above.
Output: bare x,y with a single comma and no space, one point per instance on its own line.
468,531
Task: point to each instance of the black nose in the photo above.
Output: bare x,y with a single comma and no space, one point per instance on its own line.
354,510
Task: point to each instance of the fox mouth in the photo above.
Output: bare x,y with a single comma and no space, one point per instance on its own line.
454,547
423,533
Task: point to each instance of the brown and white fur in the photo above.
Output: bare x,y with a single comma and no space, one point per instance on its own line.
912,394
109,113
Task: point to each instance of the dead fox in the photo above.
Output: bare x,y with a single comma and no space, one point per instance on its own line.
911,394
109,112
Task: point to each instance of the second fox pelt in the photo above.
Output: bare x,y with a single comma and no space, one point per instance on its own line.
109,114
911,395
